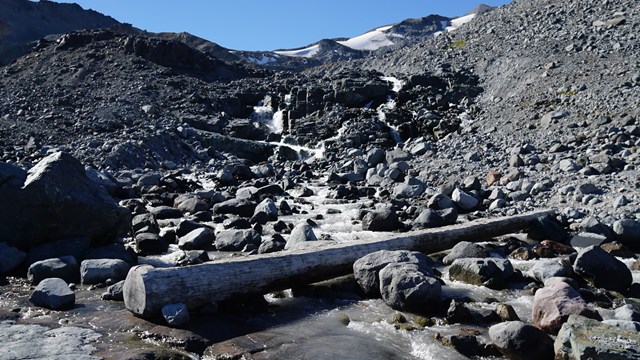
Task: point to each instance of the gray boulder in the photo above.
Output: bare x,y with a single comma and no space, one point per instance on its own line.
408,287
366,269
10,257
545,269
300,234
57,191
198,239
603,269
382,220
189,203
521,341
150,243
97,271
430,218
54,294
584,338
463,200
440,202
20,341
552,306
176,315
628,232
236,240
465,249
273,244
411,188
65,268
488,272
268,207
240,207
585,239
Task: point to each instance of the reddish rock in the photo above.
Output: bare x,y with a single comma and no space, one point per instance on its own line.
552,306
493,177
558,248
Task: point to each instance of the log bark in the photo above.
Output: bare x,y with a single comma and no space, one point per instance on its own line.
148,289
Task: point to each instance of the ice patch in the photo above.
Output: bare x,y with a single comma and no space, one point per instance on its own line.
457,22
262,60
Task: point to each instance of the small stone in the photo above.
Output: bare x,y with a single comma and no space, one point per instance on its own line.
176,315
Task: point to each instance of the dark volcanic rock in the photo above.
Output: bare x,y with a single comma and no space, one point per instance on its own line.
65,268
518,340
382,220
603,269
54,294
59,201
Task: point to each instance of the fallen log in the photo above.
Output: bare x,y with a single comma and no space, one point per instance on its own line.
148,289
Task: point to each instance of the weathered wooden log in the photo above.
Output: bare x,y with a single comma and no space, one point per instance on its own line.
148,289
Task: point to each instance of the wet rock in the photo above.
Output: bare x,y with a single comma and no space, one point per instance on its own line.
465,249
236,240
550,268
459,313
406,287
39,342
518,340
558,248
240,207
97,271
57,191
114,292
489,272
522,253
592,225
300,234
464,200
381,220
198,239
628,232
506,312
367,268
553,305
176,315
10,257
582,338
65,268
54,294
603,269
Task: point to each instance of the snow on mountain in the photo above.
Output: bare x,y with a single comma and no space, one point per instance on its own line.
372,40
457,22
305,52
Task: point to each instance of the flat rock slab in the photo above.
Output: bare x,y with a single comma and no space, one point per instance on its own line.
39,342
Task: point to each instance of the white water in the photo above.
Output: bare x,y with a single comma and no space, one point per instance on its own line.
390,105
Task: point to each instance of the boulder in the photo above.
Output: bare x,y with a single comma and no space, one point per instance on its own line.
521,341
300,234
546,228
240,207
628,232
114,292
150,243
382,220
408,287
57,191
10,257
236,240
584,338
198,239
54,294
186,226
76,247
97,271
430,218
163,212
268,207
552,306
465,249
585,239
463,200
366,269
65,268
489,272
549,268
190,203
603,269
273,244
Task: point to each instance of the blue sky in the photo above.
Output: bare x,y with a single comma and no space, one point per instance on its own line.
269,25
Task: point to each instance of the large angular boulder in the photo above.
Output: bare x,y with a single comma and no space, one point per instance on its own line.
518,340
553,304
198,239
58,201
382,220
603,269
236,240
628,232
64,267
366,269
584,338
300,234
96,271
465,249
240,207
550,268
488,272
409,287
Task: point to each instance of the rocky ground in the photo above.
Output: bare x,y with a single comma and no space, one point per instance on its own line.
120,149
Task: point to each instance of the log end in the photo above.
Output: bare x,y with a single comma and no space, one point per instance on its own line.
135,291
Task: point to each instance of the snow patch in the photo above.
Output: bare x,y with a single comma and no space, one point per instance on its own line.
372,40
263,60
457,22
306,52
